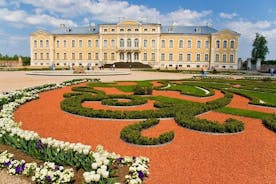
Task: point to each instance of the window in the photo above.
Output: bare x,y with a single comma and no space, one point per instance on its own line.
217,58
197,57
64,56
97,56
188,57
224,44
80,56
128,30
153,56
122,56
163,43
57,43
198,44
73,55
122,43
105,56
145,43
35,55
112,43
47,55
64,43
136,56
145,57
231,58
112,56
41,56
35,43
136,43
217,44
162,57
224,58
232,44
121,30
180,57
112,30
47,43
145,29
207,44
105,44
153,43
136,30
171,44
80,43
96,43
189,45
180,43
105,30
41,43
206,57
153,30
57,56
73,43
89,56
129,42
170,56
89,43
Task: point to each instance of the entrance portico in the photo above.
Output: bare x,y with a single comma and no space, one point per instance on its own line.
129,56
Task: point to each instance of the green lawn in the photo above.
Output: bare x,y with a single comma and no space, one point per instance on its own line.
243,112
188,90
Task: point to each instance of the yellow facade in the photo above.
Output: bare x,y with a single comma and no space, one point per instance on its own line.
131,41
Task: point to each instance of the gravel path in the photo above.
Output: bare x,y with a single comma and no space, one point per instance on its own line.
192,157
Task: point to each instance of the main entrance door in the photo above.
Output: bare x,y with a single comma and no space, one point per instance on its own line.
128,57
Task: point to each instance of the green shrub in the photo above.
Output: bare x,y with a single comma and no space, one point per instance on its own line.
112,100
270,122
132,134
142,90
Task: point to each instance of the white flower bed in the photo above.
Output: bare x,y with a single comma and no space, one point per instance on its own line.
138,167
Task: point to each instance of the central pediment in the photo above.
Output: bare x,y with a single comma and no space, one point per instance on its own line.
129,23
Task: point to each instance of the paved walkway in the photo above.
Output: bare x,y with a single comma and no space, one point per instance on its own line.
18,79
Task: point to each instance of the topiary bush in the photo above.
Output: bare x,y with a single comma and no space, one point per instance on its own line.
132,134
113,100
142,90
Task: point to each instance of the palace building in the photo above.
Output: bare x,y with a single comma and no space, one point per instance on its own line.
183,47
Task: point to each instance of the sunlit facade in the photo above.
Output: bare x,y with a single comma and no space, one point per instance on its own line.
183,47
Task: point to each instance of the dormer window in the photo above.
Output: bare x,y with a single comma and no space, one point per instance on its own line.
153,30
121,30
105,30
136,30
145,29
197,30
128,30
112,30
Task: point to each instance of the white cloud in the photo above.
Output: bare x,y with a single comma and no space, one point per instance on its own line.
113,10
227,15
21,18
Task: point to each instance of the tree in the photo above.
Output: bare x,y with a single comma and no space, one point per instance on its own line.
260,49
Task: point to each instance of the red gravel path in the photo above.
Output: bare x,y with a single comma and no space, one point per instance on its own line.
156,84
112,91
177,94
241,102
98,105
192,157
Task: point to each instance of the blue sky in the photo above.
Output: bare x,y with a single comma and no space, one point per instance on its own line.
18,18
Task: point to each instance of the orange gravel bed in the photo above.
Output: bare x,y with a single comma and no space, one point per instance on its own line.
97,105
156,84
127,83
112,91
176,94
241,102
192,157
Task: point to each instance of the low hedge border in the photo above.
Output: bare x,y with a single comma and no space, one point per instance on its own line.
112,100
270,122
132,134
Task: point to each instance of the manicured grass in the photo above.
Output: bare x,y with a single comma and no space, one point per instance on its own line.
188,90
126,88
243,112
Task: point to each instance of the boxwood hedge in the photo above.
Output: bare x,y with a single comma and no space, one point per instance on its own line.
132,134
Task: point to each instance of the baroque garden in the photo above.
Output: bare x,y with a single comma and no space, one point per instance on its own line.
173,131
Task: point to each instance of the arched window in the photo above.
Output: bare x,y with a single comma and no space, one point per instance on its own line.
224,44
180,43
217,44
136,43
122,43
129,42
232,44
